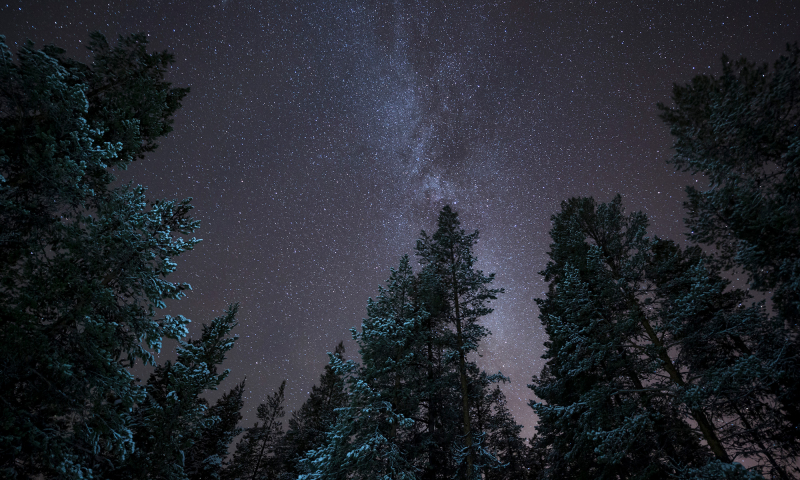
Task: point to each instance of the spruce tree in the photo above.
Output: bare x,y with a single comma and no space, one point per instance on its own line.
83,260
374,427
363,443
390,336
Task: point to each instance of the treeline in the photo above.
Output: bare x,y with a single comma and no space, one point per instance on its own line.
657,365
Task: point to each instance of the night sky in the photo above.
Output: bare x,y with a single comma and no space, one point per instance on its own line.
319,138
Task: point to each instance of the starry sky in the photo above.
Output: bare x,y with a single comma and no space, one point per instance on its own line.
320,137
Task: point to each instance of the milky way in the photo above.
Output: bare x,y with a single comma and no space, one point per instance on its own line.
319,138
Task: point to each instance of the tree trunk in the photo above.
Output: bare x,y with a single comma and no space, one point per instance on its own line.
706,427
462,373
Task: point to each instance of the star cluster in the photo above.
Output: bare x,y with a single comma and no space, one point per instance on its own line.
320,137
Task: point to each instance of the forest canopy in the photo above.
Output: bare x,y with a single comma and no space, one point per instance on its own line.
657,366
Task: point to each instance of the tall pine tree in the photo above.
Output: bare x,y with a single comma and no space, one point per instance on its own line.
83,260
375,425
400,420
462,296
645,356
740,132
363,443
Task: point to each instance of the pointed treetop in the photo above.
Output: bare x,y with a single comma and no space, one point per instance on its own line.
449,240
448,225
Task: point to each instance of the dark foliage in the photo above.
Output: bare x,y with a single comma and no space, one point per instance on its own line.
418,407
82,261
173,417
740,132
207,457
256,456
649,351
314,418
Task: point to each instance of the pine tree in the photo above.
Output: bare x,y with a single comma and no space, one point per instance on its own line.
626,390
363,443
173,417
255,456
727,349
206,459
740,132
462,298
399,421
392,345
372,429
83,260
390,335
440,389
317,415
